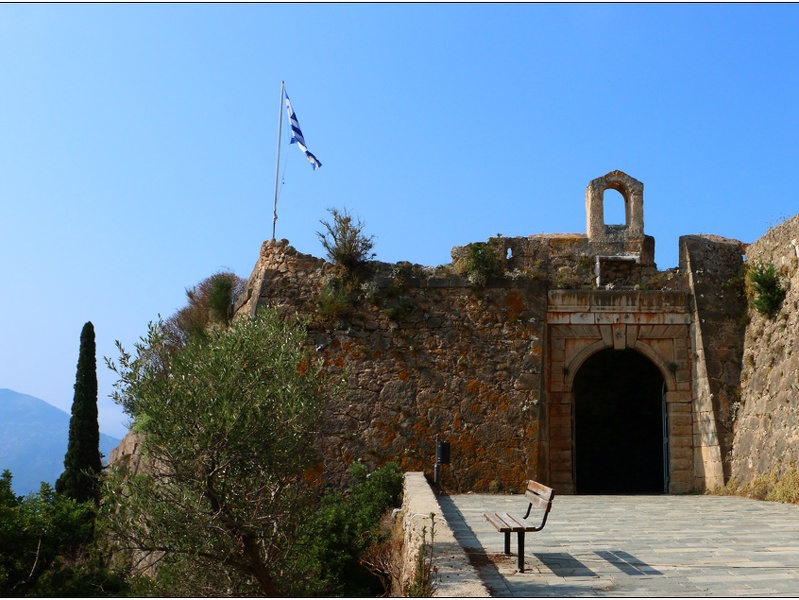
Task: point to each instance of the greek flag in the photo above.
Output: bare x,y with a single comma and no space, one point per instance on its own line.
296,135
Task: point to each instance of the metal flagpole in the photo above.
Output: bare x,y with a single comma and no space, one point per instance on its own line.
277,167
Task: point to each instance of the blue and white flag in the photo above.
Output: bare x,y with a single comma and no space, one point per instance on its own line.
296,135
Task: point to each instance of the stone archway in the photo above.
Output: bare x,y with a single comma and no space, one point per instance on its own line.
582,324
631,190
619,424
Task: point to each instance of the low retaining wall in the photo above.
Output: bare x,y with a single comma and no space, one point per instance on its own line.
455,576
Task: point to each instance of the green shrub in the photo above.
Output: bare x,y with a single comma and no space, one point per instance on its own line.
47,547
481,262
767,292
334,302
344,240
333,539
403,307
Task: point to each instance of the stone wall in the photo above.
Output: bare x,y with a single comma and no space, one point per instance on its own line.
767,424
455,577
424,353
489,366
427,354
714,268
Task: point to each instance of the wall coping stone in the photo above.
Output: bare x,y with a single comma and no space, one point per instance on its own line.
456,576
653,301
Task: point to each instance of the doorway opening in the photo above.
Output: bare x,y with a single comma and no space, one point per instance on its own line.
620,438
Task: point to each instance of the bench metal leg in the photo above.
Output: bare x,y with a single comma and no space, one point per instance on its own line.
521,551
507,543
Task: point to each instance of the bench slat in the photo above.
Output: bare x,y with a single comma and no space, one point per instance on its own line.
537,501
522,523
498,521
510,522
533,487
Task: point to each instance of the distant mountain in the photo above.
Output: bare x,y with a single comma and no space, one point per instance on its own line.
33,440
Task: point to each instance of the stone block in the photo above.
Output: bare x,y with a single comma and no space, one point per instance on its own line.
677,419
560,422
527,381
685,453
676,408
557,410
680,487
681,430
682,464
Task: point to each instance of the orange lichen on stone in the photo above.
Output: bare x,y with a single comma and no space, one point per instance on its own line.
514,304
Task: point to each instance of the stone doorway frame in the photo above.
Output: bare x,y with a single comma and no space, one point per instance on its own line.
581,323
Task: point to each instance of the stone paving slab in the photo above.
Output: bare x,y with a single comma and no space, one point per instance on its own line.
636,546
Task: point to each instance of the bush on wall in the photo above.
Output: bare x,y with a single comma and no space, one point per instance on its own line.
766,291
481,261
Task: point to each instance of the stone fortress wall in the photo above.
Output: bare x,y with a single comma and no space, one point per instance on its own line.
766,434
456,362
490,368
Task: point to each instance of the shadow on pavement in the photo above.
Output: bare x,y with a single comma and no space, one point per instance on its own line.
564,564
485,564
627,563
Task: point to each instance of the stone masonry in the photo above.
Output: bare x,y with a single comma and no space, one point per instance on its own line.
489,368
767,412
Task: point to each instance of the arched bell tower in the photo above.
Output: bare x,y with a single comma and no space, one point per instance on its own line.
624,241
636,346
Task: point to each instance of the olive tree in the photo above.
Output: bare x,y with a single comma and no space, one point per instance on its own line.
228,425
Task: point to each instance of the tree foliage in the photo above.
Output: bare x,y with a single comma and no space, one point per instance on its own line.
210,304
336,536
228,425
82,463
43,546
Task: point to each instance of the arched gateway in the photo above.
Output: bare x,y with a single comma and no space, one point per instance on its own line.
620,432
618,401
618,366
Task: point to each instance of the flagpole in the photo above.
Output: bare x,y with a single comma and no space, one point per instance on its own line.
277,166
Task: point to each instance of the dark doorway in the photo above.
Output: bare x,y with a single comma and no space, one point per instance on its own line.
619,425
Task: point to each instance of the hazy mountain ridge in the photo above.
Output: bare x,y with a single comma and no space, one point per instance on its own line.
33,440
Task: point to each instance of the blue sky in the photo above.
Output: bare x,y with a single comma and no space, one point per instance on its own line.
137,142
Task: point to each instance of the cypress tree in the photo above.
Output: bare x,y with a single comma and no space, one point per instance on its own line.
82,463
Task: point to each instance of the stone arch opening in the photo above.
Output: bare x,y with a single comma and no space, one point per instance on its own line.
614,208
619,425
632,192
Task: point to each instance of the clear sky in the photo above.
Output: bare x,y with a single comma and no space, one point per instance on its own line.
137,142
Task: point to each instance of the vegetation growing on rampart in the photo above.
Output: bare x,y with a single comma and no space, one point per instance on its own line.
778,485
764,289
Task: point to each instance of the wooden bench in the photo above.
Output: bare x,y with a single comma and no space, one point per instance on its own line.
537,495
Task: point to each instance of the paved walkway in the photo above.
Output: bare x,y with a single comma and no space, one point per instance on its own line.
636,546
